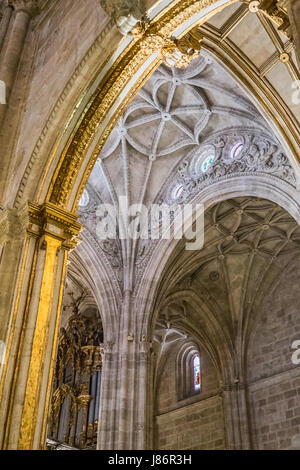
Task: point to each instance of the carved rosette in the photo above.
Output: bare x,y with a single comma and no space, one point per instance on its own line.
173,52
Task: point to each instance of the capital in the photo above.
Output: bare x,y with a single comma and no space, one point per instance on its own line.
276,10
54,221
31,7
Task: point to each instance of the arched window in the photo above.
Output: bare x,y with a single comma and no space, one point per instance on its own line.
188,370
197,373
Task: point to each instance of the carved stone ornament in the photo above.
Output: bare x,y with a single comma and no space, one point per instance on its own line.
180,53
275,10
125,13
258,154
128,16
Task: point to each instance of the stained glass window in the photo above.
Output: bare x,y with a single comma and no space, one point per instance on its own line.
178,192
236,150
207,163
197,378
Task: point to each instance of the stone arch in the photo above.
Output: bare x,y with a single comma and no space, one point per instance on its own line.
259,186
74,160
67,174
184,376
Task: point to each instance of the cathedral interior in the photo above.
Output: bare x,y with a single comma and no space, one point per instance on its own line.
126,342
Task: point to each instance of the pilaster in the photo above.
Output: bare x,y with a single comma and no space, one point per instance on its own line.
33,317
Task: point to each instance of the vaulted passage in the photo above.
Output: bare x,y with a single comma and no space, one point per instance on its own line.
235,305
219,351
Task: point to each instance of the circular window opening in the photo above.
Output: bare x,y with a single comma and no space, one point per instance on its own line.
207,163
178,192
203,160
84,200
236,150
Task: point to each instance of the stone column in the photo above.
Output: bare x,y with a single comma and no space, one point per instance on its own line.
123,404
125,13
5,23
293,8
34,264
24,10
236,417
110,385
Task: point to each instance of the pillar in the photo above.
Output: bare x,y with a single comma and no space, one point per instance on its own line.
293,7
122,416
5,23
35,242
24,10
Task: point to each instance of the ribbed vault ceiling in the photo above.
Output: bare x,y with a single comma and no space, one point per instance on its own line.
215,295
158,151
156,154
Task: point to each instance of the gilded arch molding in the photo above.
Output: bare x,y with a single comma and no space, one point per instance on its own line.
66,178
145,52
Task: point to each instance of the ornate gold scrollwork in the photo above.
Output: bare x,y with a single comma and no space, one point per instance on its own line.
275,11
48,219
78,359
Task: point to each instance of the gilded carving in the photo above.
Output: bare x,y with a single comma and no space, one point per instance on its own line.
54,221
78,364
276,12
155,38
125,13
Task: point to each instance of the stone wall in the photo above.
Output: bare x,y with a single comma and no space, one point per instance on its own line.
197,422
274,388
196,426
56,44
276,411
